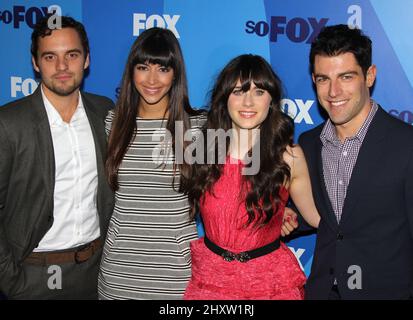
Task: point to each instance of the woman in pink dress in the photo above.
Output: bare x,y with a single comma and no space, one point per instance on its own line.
242,195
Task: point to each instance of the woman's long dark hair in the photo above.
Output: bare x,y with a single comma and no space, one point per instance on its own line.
276,133
154,46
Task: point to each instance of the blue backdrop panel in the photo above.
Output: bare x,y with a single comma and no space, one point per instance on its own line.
110,29
211,32
17,18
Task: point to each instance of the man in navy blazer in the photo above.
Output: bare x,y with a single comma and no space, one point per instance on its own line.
361,166
55,202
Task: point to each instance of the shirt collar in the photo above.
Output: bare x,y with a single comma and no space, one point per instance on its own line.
52,114
328,134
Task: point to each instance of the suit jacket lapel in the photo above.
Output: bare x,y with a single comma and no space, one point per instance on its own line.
322,191
44,141
368,162
98,132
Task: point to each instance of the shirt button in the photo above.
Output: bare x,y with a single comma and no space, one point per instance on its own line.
340,182
345,153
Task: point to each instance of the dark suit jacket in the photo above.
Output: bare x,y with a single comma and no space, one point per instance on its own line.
375,232
27,173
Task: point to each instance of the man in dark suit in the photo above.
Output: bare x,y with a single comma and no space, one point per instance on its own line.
55,203
361,166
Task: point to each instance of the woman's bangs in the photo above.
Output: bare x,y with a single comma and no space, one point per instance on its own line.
254,73
155,53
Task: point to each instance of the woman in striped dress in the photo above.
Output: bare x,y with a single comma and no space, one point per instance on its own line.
146,253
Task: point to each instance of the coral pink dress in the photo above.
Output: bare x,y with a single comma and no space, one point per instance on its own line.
276,275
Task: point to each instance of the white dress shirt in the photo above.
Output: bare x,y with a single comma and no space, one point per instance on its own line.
76,220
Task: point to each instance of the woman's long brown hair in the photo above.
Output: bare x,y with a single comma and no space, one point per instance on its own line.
154,46
276,133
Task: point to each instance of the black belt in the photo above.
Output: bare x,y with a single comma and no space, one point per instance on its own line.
242,256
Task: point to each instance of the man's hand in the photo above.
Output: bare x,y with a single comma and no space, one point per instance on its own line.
289,222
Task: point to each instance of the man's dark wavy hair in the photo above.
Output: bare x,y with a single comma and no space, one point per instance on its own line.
41,29
338,39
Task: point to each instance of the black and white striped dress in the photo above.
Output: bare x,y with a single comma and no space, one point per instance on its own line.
146,253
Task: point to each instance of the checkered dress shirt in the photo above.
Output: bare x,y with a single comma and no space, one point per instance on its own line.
339,159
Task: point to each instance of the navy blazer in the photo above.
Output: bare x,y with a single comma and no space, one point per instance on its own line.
375,233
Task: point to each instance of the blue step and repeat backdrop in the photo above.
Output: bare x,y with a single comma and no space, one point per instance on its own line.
211,32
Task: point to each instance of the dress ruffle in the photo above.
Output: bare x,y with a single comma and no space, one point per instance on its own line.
273,276
276,275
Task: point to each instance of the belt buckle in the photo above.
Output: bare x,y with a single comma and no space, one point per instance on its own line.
243,257
228,256
77,259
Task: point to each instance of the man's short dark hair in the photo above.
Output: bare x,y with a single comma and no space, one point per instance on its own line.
41,29
338,39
